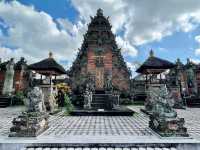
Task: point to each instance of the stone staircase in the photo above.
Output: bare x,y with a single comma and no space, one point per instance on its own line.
4,101
193,102
1,87
99,101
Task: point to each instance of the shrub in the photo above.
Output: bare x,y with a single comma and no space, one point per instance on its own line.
18,98
68,105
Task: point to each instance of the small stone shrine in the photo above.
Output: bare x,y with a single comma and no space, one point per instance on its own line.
34,120
163,118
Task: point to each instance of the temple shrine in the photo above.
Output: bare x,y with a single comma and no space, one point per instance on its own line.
99,65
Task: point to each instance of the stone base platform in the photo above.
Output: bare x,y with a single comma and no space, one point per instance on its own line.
145,111
29,124
121,111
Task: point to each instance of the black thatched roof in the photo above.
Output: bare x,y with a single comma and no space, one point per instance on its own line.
46,65
3,65
154,63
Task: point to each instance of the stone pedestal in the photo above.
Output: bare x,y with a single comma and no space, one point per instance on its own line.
168,126
29,124
49,100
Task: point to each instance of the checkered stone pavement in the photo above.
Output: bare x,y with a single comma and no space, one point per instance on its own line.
6,118
191,116
192,120
99,125
105,126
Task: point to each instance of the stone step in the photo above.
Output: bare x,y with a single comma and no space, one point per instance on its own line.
99,99
101,102
98,105
4,102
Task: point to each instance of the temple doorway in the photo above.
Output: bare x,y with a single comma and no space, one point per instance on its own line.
99,78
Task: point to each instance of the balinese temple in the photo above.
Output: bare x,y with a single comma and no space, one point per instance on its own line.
100,60
21,75
48,69
153,67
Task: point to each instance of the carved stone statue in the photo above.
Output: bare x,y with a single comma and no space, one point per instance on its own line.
34,120
8,82
90,88
163,118
163,104
108,84
87,98
35,100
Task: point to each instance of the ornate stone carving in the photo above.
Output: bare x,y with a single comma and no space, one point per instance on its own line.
87,98
34,120
35,100
8,82
108,83
90,88
163,118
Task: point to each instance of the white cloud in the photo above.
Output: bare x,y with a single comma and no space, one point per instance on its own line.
197,52
143,20
197,38
133,66
126,47
34,34
196,61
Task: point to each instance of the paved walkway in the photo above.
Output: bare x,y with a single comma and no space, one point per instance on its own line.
101,129
99,125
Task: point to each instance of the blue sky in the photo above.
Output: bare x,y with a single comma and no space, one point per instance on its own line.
59,25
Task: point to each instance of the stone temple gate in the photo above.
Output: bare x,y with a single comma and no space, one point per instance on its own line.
100,58
99,66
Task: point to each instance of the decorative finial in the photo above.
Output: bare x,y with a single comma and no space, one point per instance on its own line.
50,55
151,54
188,60
178,60
99,12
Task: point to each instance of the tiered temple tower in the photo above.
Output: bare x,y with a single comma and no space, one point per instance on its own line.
100,58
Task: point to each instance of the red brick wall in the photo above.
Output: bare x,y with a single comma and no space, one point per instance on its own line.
91,61
108,60
198,80
120,77
20,82
91,67
2,74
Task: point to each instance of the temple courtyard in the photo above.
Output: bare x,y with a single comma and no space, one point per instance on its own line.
100,129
